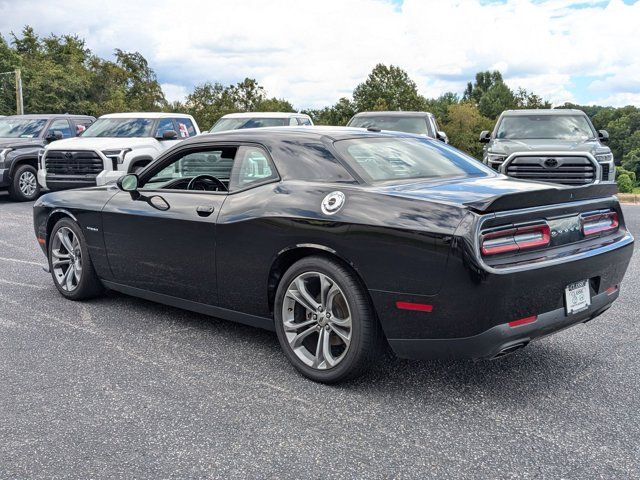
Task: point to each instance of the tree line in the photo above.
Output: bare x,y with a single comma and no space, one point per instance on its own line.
61,75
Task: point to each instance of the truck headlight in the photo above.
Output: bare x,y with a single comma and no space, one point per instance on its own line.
3,155
605,157
117,155
496,158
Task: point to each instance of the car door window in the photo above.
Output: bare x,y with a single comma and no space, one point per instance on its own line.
183,167
185,127
164,125
81,125
252,167
61,126
304,121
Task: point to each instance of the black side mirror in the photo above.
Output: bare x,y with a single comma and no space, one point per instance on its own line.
485,136
128,183
54,135
440,135
603,136
168,135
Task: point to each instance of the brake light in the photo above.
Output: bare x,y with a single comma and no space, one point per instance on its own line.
516,239
593,224
523,321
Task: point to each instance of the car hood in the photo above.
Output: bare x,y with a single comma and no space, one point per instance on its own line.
497,192
19,142
543,145
101,143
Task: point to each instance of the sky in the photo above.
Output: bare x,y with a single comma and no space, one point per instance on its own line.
312,52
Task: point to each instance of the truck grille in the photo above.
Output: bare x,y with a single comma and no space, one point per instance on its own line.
564,170
83,163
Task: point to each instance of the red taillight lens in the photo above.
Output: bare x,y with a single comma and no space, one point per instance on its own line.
593,224
516,239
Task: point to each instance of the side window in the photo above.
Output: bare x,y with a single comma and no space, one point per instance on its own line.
62,126
304,121
185,127
164,125
252,167
214,161
81,125
293,121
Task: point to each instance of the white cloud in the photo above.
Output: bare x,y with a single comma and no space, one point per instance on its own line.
173,92
313,52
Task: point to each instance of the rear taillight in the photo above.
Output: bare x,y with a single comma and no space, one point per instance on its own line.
593,224
515,239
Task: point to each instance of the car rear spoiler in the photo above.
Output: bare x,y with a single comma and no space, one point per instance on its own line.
548,196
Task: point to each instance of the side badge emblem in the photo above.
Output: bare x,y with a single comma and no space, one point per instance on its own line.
332,203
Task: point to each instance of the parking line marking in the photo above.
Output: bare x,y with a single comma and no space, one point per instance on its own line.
21,261
18,284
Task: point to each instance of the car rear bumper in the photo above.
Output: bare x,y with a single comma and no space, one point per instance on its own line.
501,339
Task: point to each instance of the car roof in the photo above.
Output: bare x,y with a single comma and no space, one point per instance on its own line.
47,116
265,115
393,113
146,115
308,133
544,111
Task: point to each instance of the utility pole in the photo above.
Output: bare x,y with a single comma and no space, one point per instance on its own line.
19,99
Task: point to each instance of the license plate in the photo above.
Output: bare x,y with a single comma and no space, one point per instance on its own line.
577,296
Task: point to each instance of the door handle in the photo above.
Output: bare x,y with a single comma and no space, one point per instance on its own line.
204,210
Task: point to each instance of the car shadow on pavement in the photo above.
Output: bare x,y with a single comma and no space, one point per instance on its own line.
543,368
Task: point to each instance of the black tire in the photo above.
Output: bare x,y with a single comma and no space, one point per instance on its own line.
22,173
89,285
367,342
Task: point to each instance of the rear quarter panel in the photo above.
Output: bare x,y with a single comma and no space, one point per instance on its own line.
394,244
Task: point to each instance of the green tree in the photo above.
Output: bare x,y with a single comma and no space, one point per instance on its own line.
525,99
464,124
631,163
625,184
484,81
388,88
496,100
338,114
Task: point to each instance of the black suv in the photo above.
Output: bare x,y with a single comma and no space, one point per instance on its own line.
21,139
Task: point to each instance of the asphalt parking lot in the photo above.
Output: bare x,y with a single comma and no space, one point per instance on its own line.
124,388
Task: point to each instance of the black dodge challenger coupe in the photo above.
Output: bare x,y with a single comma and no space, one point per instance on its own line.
341,240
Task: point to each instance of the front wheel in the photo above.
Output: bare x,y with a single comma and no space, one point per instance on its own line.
24,185
324,321
70,264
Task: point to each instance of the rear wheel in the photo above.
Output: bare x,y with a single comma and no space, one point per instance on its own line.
70,264
24,185
324,321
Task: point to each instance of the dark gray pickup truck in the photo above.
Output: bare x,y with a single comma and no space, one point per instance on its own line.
559,146
21,139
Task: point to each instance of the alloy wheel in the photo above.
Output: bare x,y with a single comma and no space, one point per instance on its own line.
28,183
317,320
66,259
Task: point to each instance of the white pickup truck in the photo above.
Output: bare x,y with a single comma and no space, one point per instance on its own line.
114,145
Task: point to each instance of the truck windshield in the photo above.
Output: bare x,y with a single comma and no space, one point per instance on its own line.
238,123
557,127
21,127
392,159
120,127
416,125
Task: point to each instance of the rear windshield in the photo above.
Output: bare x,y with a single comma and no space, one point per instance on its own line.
120,127
557,127
238,123
417,125
392,159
